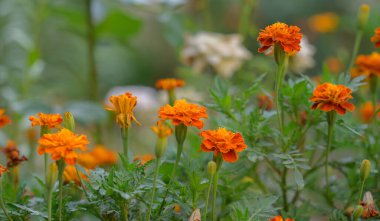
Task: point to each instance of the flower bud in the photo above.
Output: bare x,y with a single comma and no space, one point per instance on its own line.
211,167
52,176
161,147
365,169
363,16
180,133
357,212
68,121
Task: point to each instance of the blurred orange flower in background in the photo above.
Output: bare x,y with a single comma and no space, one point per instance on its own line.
13,154
98,156
288,37
367,65
49,120
143,158
162,130
223,141
279,218
324,22
62,145
366,111
3,169
4,119
185,113
169,83
123,106
376,38
328,97
70,174
264,101
334,65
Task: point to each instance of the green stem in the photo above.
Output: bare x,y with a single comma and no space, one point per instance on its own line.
280,75
331,122
361,191
123,211
154,188
49,202
245,19
2,205
177,159
171,95
61,169
215,186
124,136
358,39
208,195
284,190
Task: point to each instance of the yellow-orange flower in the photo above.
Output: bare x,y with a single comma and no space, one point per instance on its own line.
70,175
279,218
62,145
264,101
367,65
367,111
4,119
324,22
3,169
223,141
184,113
376,38
329,97
98,156
334,65
123,106
169,83
144,158
49,120
288,37
13,155
162,130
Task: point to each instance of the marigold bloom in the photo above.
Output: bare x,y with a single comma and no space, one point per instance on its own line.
367,65
223,141
329,97
279,218
98,156
288,37
366,111
49,120
62,145
13,155
169,83
369,207
324,22
376,38
123,106
4,119
162,130
264,101
334,65
185,113
70,175
3,169
144,158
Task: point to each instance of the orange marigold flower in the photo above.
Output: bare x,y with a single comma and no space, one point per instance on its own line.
288,37
123,106
264,101
13,155
144,158
4,119
98,156
3,169
49,120
70,175
223,141
328,97
185,113
334,65
369,207
324,22
162,130
376,38
62,145
169,83
367,111
279,218
367,65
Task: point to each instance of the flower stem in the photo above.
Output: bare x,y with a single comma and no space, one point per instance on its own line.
215,186
171,95
49,202
124,136
2,205
284,190
331,122
208,195
280,75
154,188
361,191
61,169
123,211
355,50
